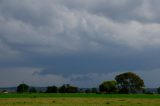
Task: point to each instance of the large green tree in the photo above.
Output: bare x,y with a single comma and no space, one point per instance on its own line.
108,87
129,82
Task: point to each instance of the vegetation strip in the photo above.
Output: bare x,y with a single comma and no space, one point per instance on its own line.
77,95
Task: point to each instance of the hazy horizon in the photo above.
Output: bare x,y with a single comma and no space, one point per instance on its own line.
80,42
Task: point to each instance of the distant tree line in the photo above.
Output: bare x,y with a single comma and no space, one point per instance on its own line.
124,83
66,88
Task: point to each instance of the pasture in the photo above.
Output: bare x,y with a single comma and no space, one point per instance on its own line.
78,100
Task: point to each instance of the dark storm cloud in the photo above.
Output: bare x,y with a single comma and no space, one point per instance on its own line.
73,39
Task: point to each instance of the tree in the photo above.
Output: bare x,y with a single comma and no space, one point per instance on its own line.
108,87
71,89
62,89
88,91
66,88
129,82
52,89
94,90
32,90
22,88
158,90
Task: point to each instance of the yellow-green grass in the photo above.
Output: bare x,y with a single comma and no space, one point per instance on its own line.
79,101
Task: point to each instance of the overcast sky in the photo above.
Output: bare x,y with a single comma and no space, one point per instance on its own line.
81,42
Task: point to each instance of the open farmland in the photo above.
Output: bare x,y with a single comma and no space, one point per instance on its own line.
78,100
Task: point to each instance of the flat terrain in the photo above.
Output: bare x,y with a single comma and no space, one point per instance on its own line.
78,100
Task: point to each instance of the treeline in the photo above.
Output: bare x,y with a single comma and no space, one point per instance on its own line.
66,88
124,83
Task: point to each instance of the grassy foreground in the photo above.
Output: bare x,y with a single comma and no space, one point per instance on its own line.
78,100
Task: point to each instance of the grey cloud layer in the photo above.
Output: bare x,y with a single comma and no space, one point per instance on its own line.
53,26
80,36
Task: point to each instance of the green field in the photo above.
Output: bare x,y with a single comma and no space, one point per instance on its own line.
79,100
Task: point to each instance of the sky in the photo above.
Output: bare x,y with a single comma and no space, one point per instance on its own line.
80,42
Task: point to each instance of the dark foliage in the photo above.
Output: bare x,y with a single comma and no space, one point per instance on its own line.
94,90
129,82
88,91
108,87
22,88
52,89
66,88
158,90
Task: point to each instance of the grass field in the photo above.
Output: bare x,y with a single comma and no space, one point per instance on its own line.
78,100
